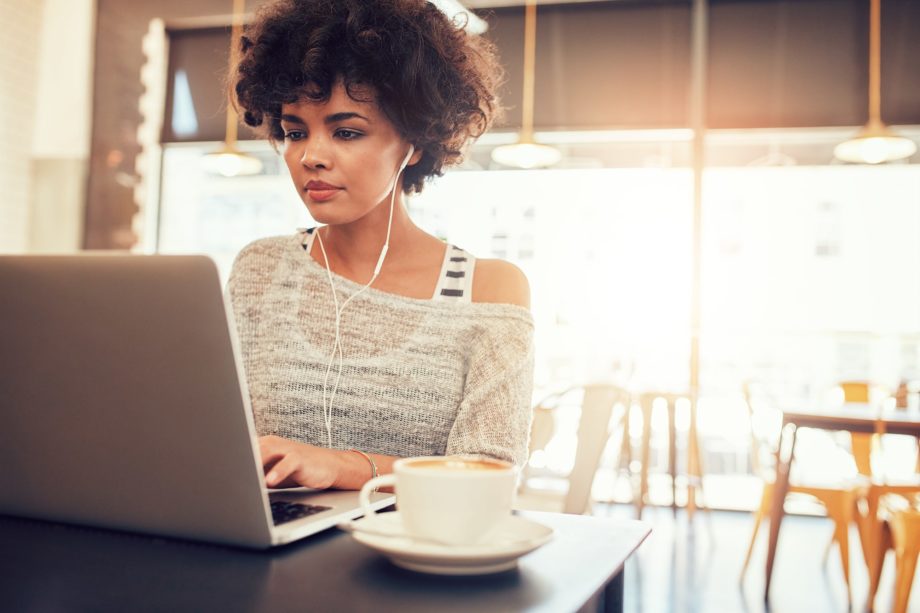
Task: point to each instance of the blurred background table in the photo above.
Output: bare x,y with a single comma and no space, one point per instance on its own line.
854,418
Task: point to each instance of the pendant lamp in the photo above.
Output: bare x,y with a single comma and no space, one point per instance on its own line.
229,161
527,153
875,143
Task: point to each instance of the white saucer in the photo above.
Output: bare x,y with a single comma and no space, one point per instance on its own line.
516,537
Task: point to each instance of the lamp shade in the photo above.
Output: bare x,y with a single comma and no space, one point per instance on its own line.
875,145
526,155
231,162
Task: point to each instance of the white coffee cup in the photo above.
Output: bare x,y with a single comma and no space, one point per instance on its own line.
456,500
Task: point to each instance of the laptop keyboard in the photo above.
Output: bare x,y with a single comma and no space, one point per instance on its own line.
284,511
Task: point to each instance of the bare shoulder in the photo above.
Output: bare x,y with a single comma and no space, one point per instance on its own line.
498,281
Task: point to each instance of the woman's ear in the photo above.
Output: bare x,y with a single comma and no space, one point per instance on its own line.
416,156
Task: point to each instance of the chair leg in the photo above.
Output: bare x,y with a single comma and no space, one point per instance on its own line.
840,510
843,543
646,454
876,539
624,461
672,453
861,446
905,532
759,514
827,549
625,444
695,468
917,467
883,544
904,578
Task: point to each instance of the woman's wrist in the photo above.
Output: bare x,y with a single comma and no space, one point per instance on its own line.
355,469
370,462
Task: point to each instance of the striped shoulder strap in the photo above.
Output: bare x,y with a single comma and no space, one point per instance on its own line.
455,282
306,239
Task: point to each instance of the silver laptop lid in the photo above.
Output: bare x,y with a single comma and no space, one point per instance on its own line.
121,401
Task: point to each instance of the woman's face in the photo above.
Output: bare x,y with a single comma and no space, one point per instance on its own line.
342,155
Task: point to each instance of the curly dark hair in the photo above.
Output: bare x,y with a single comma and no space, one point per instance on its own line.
432,79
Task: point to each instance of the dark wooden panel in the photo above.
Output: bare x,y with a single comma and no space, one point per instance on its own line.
901,61
599,65
804,63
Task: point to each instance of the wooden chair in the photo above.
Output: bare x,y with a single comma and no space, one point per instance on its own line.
861,446
647,403
598,403
839,499
864,447
901,532
880,499
858,392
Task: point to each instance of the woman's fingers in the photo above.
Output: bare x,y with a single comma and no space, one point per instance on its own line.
272,449
289,463
279,459
282,470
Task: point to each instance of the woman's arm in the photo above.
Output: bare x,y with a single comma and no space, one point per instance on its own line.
495,413
289,463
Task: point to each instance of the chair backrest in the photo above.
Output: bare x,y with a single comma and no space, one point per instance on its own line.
855,391
647,399
759,446
860,444
593,433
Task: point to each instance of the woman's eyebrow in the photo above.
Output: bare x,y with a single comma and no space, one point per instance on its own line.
292,119
329,119
344,116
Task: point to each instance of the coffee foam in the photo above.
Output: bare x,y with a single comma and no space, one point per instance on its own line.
459,465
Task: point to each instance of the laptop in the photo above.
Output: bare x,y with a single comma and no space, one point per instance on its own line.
123,404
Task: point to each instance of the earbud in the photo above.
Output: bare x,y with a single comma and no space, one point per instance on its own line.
405,161
337,344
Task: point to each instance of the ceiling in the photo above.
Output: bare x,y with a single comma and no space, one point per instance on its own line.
491,4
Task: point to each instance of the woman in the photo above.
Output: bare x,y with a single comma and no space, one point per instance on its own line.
367,339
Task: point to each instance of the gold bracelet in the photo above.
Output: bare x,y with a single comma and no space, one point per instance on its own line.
370,461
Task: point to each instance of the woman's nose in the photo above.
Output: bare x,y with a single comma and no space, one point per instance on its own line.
316,155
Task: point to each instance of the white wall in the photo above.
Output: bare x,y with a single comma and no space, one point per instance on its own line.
20,26
62,126
45,102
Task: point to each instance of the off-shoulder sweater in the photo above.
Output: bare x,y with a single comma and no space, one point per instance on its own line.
420,377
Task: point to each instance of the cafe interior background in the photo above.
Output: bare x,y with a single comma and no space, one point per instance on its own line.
697,233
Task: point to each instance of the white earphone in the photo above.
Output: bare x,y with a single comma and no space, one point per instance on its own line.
328,399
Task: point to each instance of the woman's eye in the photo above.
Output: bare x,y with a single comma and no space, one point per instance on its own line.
293,135
346,134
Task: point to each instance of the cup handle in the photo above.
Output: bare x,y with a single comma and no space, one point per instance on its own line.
365,496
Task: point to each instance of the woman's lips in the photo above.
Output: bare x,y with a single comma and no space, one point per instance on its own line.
319,191
321,195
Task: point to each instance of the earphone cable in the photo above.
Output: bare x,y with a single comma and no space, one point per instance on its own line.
337,346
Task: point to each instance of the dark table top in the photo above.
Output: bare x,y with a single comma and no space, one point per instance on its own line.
855,417
54,567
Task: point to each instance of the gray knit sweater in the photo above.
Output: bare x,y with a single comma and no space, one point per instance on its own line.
420,377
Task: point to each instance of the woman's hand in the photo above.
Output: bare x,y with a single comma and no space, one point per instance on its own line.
289,463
